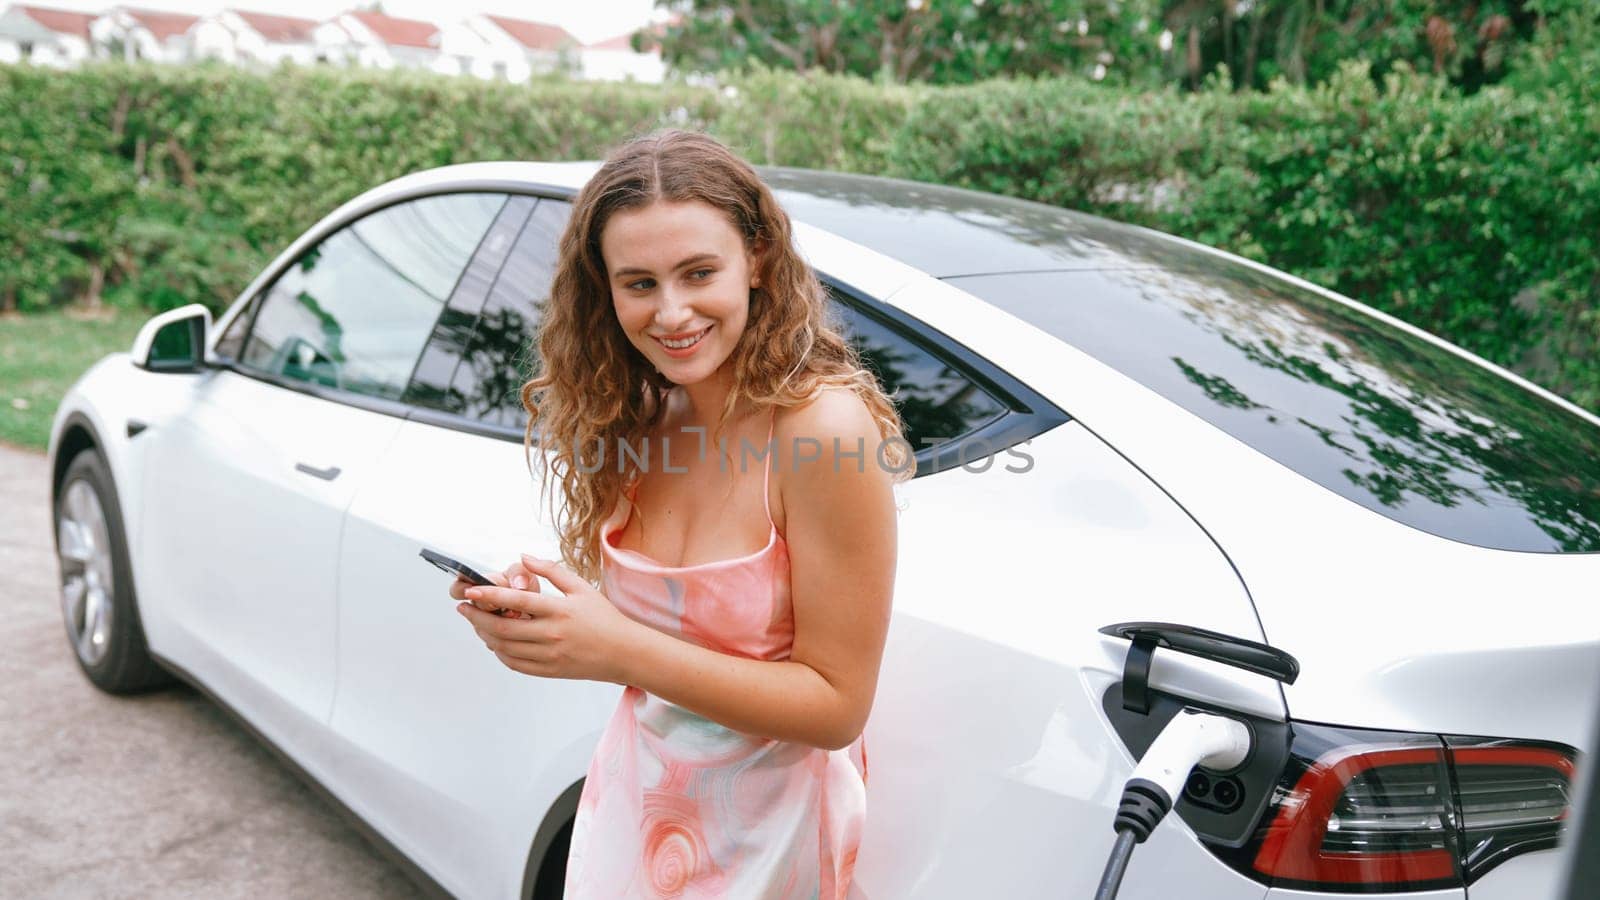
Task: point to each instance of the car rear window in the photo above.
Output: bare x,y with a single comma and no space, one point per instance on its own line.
1385,418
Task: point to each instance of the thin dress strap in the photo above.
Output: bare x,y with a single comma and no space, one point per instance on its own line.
767,479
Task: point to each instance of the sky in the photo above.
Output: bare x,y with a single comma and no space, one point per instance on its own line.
590,21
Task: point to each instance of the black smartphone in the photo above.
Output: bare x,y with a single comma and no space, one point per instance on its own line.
455,567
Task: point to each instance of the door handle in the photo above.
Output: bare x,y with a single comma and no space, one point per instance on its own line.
327,474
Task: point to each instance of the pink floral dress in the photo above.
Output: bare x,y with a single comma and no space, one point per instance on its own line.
676,805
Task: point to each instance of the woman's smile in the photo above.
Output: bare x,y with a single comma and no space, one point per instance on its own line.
684,347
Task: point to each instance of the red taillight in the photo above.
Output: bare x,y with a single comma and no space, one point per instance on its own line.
1365,814
1364,811
1515,797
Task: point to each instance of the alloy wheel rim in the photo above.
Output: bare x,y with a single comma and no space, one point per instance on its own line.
87,585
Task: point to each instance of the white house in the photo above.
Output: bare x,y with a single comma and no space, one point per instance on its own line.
130,33
483,45
614,59
238,37
44,36
500,47
378,41
330,43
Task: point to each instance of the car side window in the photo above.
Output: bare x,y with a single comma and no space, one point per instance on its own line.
354,311
500,355
452,334
935,400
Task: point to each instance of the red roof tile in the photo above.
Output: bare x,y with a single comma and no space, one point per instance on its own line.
533,35
624,41
161,24
59,20
281,29
398,32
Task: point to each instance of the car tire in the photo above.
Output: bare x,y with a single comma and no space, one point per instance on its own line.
98,606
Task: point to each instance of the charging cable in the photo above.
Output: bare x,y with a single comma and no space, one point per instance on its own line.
1192,738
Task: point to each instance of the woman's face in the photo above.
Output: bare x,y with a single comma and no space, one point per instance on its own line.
679,270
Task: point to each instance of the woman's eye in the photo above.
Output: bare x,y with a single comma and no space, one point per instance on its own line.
700,274
643,284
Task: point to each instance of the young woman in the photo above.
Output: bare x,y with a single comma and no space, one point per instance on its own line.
727,468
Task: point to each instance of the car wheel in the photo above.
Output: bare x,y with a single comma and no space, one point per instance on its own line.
97,601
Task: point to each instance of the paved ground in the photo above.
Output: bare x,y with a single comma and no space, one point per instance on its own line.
161,795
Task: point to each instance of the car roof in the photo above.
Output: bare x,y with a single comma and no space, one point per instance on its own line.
942,231
947,232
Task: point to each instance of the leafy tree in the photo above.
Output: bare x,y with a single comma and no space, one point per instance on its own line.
1304,41
1129,41
914,40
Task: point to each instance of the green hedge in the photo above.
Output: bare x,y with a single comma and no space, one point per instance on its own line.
1475,217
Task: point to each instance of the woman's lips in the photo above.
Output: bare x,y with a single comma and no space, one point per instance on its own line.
685,351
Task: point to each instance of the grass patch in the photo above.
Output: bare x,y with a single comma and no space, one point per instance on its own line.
42,354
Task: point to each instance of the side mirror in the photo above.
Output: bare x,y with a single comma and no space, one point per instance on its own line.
174,341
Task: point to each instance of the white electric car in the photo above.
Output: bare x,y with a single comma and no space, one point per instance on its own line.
1151,476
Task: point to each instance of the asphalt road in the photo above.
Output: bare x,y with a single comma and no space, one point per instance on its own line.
159,795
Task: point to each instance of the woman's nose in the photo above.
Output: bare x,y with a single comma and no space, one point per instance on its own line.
672,311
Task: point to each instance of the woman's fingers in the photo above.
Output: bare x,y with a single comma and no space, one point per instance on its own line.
500,580
460,584
511,570
515,576
458,591
513,599
476,615
520,578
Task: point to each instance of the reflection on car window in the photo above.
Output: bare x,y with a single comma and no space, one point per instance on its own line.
936,402
452,334
354,311
500,354
946,231
1387,419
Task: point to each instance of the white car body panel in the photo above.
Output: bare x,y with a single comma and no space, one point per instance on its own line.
227,487
473,786
1530,875
108,395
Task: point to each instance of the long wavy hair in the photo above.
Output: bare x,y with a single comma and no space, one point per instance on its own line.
594,391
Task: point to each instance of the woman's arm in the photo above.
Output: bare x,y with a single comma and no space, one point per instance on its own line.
840,525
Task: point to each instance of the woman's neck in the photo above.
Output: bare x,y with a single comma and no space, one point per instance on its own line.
699,405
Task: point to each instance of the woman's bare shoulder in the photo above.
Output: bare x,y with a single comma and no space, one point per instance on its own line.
834,411
830,433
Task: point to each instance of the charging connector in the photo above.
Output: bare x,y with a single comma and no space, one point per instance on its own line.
1193,738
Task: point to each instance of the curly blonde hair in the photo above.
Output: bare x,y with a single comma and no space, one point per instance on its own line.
593,389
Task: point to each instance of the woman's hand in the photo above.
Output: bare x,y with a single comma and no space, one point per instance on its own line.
577,635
